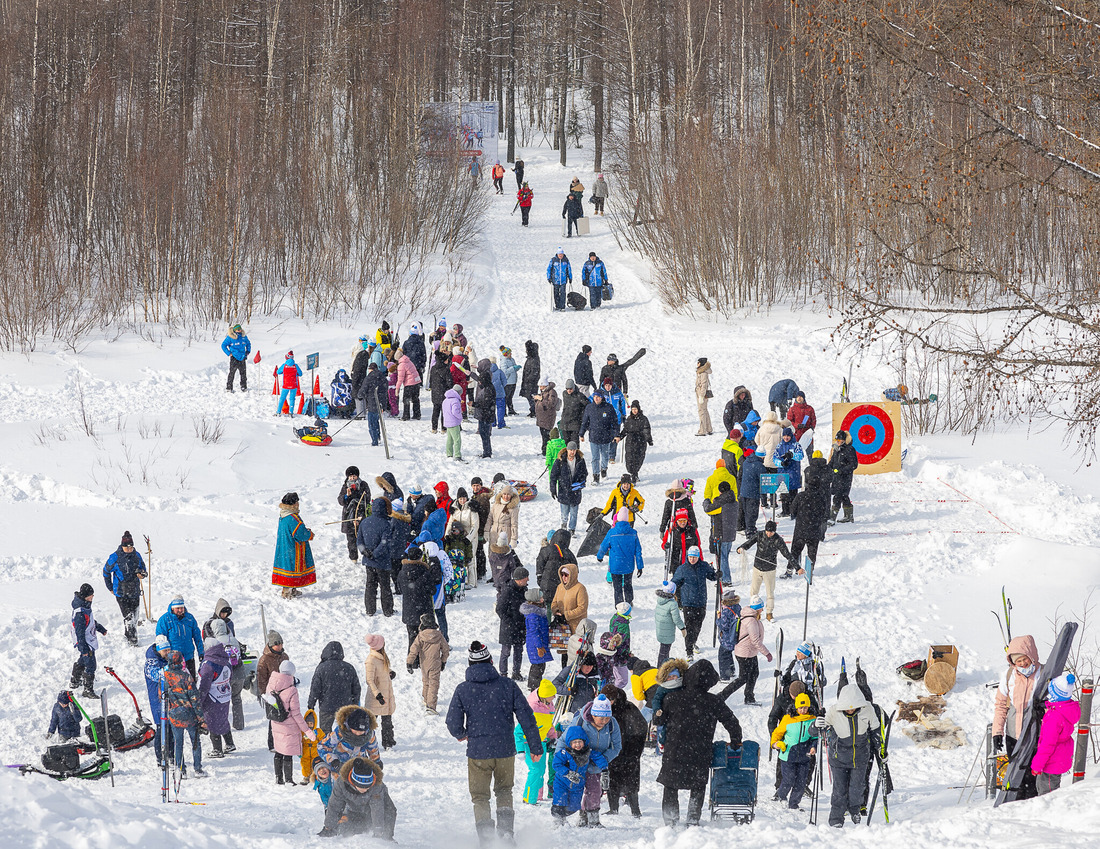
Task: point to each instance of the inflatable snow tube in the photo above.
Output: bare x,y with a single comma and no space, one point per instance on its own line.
527,491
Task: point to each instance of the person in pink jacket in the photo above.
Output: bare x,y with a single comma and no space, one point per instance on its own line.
408,383
288,733
750,644
1054,754
1015,690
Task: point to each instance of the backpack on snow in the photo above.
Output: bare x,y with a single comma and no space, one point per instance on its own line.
274,709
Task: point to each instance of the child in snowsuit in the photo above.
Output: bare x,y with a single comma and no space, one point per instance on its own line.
65,718
668,620
727,633
360,801
796,740
289,371
322,779
391,392
620,662
570,769
542,704
537,624
431,651
1054,754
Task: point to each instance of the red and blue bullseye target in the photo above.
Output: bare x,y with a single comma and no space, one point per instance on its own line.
872,433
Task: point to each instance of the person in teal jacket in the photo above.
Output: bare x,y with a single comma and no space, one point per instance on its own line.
322,779
183,632
237,347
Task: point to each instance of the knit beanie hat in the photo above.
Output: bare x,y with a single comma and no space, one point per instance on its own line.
806,649
694,552
667,587
533,595
162,642
770,525
761,452
802,700
274,638
756,603
375,641
361,775
462,493
127,539
320,763
479,653
287,667
623,515
601,706
85,591
547,690
623,608
176,602
498,477
358,720
1061,688
520,573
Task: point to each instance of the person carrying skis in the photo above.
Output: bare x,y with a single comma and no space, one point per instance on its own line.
690,580
559,274
750,644
851,729
525,197
123,573
796,740
237,347
156,660
677,497
289,372
1054,752
593,277
769,545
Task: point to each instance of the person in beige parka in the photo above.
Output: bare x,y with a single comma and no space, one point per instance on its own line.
432,651
504,514
378,698
703,396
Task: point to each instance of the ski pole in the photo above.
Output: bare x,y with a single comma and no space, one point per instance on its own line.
149,575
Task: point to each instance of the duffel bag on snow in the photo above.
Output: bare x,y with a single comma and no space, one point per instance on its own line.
63,758
576,300
608,292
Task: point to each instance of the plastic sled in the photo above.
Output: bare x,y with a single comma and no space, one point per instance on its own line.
314,439
597,530
733,775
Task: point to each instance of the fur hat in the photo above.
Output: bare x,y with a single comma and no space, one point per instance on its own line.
351,470
427,620
479,653
730,598
290,498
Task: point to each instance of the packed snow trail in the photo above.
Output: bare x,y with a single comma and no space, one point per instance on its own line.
921,564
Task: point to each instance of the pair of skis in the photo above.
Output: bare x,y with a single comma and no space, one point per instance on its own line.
1006,626
565,700
778,680
883,781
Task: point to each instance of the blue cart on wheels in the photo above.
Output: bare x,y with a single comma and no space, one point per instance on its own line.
733,775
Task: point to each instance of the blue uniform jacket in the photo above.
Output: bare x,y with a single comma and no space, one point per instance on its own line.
600,422
559,272
752,467
538,632
782,391
183,633
238,348
625,548
594,273
154,676
692,582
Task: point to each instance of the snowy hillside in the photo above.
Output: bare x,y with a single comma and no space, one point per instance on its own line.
923,563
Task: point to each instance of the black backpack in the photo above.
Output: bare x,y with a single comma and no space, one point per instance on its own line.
276,712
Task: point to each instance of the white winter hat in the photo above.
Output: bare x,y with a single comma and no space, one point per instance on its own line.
623,515
287,667
623,608
756,603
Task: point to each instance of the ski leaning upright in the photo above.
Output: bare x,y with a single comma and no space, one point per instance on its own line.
778,679
883,781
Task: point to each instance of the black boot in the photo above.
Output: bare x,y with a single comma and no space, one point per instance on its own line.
560,814
76,675
485,833
506,818
847,515
635,809
594,819
279,769
89,685
229,746
288,770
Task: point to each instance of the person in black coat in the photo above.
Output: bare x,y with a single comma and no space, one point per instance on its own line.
400,537
624,773
374,389
582,371
573,402
572,210
373,538
843,463
513,626
551,558
811,513
354,498
335,684
739,406
617,371
419,505
414,348
529,378
419,578
689,716
568,477
485,407
439,381
637,436
359,373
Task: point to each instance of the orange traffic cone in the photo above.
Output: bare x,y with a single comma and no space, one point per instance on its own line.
301,402
286,407
275,387
317,385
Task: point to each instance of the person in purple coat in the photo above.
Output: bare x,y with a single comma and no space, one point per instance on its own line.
216,695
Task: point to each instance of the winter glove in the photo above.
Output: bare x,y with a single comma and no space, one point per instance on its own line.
998,742
605,780
394,674
639,573
409,667
781,746
821,723
381,699
574,777
442,666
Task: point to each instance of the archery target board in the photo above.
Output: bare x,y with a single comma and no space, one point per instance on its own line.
876,434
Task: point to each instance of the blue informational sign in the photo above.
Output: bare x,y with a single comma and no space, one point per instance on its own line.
312,360
775,483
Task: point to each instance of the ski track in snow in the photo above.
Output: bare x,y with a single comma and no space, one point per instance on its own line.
921,565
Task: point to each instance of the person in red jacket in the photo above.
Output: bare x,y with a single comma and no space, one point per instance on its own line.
680,536
289,372
524,197
801,416
443,498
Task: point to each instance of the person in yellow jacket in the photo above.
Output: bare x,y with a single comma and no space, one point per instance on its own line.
624,495
722,507
383,337
796,740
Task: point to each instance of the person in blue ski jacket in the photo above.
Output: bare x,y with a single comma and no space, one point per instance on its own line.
122,573
625,550
65,717
749,427
593,276
237,347
782,395
752,467
183,632
559,274
571,762
500,384
511,375
374,540
156,659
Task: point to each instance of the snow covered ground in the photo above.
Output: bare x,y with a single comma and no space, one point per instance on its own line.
924,562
